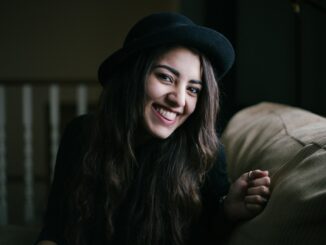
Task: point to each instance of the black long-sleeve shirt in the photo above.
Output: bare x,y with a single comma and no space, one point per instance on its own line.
72,148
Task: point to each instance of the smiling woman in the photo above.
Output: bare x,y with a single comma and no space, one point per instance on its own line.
171,90
148,168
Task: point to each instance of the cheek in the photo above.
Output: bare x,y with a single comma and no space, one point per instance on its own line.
152,90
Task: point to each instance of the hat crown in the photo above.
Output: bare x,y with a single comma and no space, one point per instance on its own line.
155,23
170,28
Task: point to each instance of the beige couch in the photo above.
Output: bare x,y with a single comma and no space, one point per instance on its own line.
291,144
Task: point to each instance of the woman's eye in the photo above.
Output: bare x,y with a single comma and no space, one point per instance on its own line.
165,77
194,90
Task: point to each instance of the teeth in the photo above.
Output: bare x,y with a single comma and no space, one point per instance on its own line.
167,114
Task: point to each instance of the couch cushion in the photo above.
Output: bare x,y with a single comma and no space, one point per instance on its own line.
291,144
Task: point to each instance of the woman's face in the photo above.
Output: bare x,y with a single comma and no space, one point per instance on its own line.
172,89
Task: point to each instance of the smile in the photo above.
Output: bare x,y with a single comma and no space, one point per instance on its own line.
166,114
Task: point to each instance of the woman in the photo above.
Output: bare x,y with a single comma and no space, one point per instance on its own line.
148,167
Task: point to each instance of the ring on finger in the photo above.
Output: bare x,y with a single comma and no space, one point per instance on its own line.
249,176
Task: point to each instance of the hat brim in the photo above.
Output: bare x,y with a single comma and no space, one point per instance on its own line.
211,43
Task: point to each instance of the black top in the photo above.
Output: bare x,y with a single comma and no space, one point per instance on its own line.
72,148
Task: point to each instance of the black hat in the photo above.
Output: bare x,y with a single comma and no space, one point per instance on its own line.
171,28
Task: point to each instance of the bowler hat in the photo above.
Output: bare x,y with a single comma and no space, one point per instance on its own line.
171,28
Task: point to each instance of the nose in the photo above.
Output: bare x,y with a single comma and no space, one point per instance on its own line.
177,97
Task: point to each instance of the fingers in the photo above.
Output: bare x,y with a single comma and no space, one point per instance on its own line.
262,181
255,174
255,199
258,190
257,177
255,203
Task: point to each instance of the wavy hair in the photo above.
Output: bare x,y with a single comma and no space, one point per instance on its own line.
160,181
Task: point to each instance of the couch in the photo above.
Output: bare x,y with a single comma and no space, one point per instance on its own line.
291,144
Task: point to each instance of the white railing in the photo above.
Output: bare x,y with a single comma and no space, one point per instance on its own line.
54,122
27,97
28,150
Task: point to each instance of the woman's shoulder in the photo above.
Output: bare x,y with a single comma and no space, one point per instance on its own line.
79,128
83,122
75,138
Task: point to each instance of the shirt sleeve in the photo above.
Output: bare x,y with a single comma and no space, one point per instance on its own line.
68,160
213,224
217,184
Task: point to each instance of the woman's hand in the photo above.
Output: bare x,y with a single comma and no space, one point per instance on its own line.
248,195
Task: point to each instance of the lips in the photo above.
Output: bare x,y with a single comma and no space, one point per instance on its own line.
166,114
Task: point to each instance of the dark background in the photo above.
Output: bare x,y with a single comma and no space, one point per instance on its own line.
280,52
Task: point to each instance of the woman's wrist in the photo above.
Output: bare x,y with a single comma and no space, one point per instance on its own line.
226,208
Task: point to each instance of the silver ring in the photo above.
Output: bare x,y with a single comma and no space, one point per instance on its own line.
249,175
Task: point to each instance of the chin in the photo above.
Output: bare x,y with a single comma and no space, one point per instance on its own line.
161,134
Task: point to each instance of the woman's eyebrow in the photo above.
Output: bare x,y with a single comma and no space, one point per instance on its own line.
196,82
171,69
175,72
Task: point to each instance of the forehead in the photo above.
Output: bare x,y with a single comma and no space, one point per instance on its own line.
167,51
181,57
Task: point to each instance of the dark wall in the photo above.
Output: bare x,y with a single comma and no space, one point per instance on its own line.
64,40
222,16
280,56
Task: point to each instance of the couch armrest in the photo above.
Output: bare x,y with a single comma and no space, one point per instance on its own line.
291,144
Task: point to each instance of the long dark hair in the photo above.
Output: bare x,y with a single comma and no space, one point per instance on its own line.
160,181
